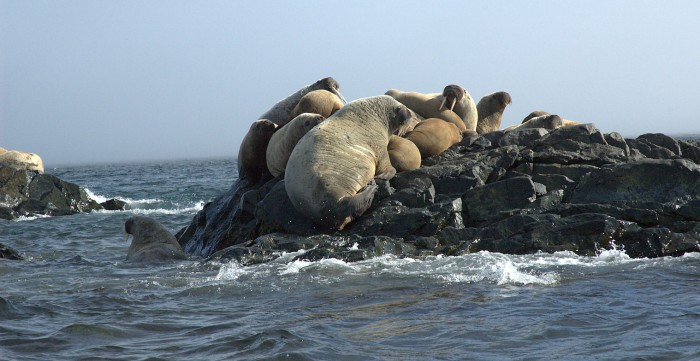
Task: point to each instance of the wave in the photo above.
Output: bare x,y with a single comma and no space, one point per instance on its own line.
148,205
497,268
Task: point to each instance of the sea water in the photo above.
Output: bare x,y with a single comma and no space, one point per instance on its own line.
74,298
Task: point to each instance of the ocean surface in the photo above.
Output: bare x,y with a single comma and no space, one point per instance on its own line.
74,297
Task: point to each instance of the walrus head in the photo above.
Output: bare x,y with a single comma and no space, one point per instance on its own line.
332,86
502,99
451,95
402,121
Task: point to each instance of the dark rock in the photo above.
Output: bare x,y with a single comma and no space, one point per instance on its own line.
486,203
29,193
522,137
661,140
114,205
573,189
649,180
690,150
617,140
8,253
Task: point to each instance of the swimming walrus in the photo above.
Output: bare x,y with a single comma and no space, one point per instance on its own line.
330,174
152,242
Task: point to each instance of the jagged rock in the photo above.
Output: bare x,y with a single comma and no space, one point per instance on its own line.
643,181
572,188
114,205
24,192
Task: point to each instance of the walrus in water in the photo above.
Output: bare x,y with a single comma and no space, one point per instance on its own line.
330,174
490,109
152,242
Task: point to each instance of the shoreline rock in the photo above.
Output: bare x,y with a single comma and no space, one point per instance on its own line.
30,193
573,188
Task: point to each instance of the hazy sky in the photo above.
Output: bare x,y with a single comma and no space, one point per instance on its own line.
102,81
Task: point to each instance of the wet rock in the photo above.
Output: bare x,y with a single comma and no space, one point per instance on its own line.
8,253
28,193
114,205
573,188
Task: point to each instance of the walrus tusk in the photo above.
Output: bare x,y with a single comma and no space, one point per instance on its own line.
342,98
454,101
444,99
126,239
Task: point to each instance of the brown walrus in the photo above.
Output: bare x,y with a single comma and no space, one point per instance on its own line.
433,136
428,106
252,164
320,102
330,174
283,141
279,113
403,153
490,109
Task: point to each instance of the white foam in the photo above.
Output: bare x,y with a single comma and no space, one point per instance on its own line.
30,218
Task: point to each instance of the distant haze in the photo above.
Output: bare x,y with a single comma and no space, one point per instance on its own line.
111,81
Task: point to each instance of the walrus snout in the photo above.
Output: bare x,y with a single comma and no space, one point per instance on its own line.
452,93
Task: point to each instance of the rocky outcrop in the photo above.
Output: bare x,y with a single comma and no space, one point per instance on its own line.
28,193
573,188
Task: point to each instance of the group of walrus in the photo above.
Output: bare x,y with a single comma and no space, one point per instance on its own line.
330,151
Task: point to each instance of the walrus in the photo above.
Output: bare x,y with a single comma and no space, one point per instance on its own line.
428,106
21,160
152,242
279,113
460,102
283,141
319,101
490,109
433,136
537,113
330,174
547,121
252,164
403,154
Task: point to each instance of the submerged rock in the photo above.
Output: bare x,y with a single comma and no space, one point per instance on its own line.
570,189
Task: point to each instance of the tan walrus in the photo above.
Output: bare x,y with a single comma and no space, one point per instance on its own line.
283,141
279,113
403,153
429,106
433,136
490,109
330,174
320,102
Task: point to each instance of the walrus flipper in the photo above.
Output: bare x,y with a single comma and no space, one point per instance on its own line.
352,207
